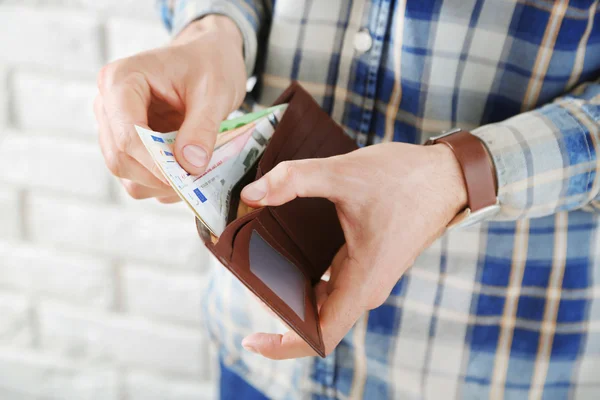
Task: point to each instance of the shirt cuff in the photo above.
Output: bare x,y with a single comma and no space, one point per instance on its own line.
244,17
545,159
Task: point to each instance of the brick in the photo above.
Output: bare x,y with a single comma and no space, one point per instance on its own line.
54,163
51,104
58,38
4,107
163,294
138,9
126,341
15,329
10,212
77,278
126,36
133,235
29,375
144,386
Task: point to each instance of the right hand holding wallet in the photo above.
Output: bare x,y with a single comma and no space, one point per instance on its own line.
280,253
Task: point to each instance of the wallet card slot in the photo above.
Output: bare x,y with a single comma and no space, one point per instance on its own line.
290,119
299,139
279,239
224,244
320,137
237,190
313,225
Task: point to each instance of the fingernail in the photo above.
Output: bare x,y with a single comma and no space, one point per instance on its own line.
195,155
248,346
255,191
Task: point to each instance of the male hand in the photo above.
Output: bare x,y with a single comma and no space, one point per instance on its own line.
190,86
393,200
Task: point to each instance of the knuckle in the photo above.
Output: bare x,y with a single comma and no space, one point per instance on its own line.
376,300
114,163
123,139
294,178
116,73
155,170
290,171
107,75
98,106
133,189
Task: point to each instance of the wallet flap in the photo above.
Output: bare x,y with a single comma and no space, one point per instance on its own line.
268,263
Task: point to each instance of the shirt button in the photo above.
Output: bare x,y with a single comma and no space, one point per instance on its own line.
363,41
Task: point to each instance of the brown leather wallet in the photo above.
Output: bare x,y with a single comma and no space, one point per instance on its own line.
280,253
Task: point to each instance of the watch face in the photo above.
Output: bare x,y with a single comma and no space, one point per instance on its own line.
468,218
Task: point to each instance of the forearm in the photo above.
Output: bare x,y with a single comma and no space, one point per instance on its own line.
249,16
546,159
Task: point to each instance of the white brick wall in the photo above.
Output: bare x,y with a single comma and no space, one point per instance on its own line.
9,212
121,43
47,163
30,375
15,329
55,104
59,38
100,295
142,386
36,271
165,295
126,341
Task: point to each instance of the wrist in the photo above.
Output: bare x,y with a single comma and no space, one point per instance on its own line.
221,25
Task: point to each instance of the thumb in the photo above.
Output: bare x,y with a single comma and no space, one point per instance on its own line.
196,138
291,179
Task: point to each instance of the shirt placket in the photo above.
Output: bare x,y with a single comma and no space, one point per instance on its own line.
368,47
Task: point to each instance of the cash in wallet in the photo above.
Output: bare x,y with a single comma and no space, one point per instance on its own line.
240,143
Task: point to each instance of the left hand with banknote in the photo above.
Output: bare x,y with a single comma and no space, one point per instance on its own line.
393,200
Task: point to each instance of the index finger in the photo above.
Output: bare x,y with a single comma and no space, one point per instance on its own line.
126,104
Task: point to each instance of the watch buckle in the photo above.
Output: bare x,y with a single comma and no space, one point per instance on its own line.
467,218
444,134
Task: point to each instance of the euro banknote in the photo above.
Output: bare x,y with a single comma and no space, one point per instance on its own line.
209,194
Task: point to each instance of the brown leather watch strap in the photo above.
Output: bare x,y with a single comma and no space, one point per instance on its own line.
477,167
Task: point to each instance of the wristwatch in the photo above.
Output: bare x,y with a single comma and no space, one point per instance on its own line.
479,174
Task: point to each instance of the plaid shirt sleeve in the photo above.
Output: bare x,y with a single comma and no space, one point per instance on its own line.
546,159
249,15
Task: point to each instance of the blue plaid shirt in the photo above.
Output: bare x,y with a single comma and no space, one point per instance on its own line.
509,308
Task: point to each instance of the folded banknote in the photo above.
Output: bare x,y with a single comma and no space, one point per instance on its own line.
239,145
